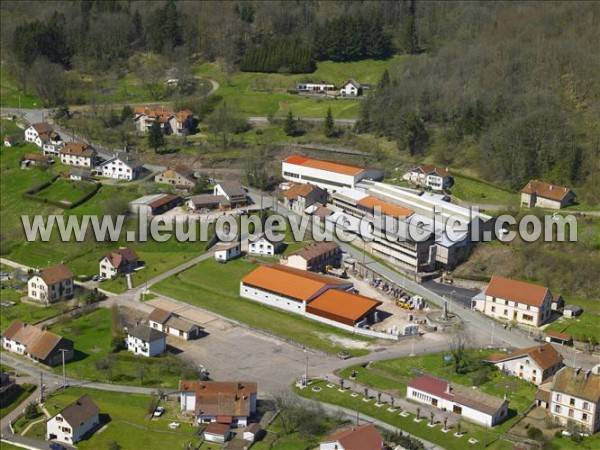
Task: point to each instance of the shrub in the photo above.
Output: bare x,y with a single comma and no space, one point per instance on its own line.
535,433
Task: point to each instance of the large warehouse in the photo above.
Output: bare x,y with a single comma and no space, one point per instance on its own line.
328,175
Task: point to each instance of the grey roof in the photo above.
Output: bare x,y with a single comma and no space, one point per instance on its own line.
180,324
80,172
208,199
126,157
232,188
79,411
146,334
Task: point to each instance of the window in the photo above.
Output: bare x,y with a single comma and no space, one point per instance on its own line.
506,312
557,409
493,309
586,406
528,317
584,417
572,401
570,413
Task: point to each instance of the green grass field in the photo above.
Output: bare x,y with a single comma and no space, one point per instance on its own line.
9,94
26,312
583,327
487,438
472,190
215,287
66,192
394,374
125,416
92,335
264,94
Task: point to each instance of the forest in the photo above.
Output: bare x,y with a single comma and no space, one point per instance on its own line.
507,89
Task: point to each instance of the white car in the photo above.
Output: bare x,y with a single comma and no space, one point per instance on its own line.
159,411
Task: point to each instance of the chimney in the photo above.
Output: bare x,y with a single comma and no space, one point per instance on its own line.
551,187
448,388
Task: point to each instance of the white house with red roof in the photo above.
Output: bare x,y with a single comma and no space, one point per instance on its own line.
512,300
431,176
328,175
51,284
534,364
466,402
545,195
118,262
362,437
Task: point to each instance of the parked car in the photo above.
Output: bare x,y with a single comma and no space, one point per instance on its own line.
57,446
95,277
159,411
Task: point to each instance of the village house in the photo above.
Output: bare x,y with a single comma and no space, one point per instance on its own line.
122,166
172,324
427,175
51,284
361,437
226,251
43,135
154,205
544,195
533,364
315,88
252,432
37,344
287,288
512,300
170,121
225,402
124,260
328,175
300,196
575,398
206,202
35,159
78,154
316,257
233,192
146,341
72,422
351,88
180,177
261,245
471,404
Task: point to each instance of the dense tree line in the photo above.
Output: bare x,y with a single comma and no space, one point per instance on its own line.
510,92
283,55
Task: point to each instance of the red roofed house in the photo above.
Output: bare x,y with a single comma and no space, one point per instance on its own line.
224,402
121,261
363,437
464,401
517,301
534,364
78,154
315,256
328,175
37,344
170,122
437,178
217,432
51,284
300,196
545,195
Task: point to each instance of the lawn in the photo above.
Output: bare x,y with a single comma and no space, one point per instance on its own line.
215,287
9,94
92,335
126,418
583,327
66,192
264,94
487,438
27,312
275,438
25,391
478,191
392,376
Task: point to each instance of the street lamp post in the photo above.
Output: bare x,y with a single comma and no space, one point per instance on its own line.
62,350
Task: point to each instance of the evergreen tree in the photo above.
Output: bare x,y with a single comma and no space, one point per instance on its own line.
156,138
411,40
289,126
384,81
330,130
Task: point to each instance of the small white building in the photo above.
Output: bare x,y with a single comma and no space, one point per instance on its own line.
363,437
72,422
252,432
315,88
226,251
121,261
51,284
172,324
146,341
78,154
471,404
122,166
263,246
512,300
217,432
316,256
431,176
233,191
80,174
533,364
545,195
350,88
328,175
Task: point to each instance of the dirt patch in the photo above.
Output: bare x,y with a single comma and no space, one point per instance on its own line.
346,342
488,260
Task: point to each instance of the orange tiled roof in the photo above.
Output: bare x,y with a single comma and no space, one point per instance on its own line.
344,304
386,208
545,356
341,168
298,190
294,283
516,291
546,190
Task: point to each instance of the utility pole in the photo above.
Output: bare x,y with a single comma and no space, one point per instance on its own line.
41,387
62,350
